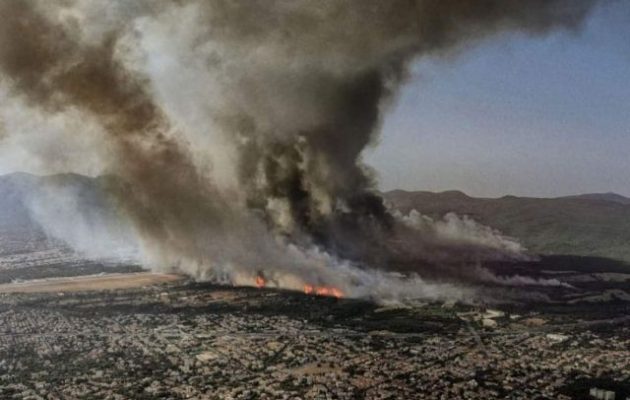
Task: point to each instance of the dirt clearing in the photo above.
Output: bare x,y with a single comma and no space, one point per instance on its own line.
89,283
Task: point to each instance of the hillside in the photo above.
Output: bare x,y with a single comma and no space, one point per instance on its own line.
586,225
73,209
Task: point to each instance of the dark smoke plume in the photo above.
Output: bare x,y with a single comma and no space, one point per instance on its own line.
287,95
52,68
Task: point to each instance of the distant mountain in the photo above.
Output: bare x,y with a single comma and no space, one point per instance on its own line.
75,209
584,225
610,197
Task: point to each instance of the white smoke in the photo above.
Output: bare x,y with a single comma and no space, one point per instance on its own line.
463,230
486,275
324,270
67,214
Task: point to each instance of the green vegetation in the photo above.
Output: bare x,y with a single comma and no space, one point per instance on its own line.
596,225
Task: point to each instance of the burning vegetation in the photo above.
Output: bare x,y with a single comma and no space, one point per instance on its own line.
261,282
329,291
323,291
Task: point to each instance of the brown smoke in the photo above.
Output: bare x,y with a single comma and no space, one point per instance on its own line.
299,91
53,69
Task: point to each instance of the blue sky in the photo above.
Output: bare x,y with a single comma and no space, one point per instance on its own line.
534,116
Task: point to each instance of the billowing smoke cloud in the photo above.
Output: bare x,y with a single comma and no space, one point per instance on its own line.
235,128
464,230
486,275
61,201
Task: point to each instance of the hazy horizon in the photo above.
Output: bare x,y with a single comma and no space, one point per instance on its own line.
387,190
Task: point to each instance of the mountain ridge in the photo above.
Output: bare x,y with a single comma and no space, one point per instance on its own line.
592,224
603,196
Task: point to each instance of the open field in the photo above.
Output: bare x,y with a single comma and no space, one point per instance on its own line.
89,283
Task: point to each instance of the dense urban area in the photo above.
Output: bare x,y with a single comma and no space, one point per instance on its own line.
200,341
191,340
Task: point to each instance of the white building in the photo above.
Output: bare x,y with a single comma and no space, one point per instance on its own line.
602,394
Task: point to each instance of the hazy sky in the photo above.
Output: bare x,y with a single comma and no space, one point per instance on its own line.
542,116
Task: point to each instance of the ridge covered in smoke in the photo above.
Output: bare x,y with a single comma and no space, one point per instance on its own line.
237,127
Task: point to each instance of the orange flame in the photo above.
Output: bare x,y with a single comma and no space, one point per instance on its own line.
323,291
260,282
